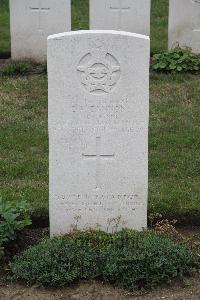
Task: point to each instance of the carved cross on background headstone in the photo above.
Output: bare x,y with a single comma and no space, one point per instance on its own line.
98,157
120,9
39,10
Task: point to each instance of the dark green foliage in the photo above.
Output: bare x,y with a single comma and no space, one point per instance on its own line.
14,216
146,261
176,60
127,259
17,68
56,262
4,29
44,69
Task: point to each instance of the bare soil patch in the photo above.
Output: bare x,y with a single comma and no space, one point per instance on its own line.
98,291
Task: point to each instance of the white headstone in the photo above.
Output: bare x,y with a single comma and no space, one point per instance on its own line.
98,130
184,24
127,15
32,21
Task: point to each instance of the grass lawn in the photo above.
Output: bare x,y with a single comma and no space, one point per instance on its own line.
159,25
174,143
4,29
80,9
174,130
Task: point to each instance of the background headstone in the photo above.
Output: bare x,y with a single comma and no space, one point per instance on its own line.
127,15
184,24
32,21
98,130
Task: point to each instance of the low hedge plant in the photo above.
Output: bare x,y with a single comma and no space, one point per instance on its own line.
127,259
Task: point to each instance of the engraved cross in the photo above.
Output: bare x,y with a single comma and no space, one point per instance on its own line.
39,10
98,157
120,9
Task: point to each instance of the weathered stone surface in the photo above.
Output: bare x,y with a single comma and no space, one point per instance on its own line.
127,15
98,130
184,24
32,21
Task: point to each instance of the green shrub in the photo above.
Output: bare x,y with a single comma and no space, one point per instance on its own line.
176,60
147,261
14,216
17,68
127,259
56,262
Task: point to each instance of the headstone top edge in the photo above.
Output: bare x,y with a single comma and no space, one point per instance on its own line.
85,32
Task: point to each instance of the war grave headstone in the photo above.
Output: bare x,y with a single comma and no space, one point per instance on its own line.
127,15
184,24
98,130
32,21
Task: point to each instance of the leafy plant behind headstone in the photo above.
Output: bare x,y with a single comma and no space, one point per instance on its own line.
177,60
